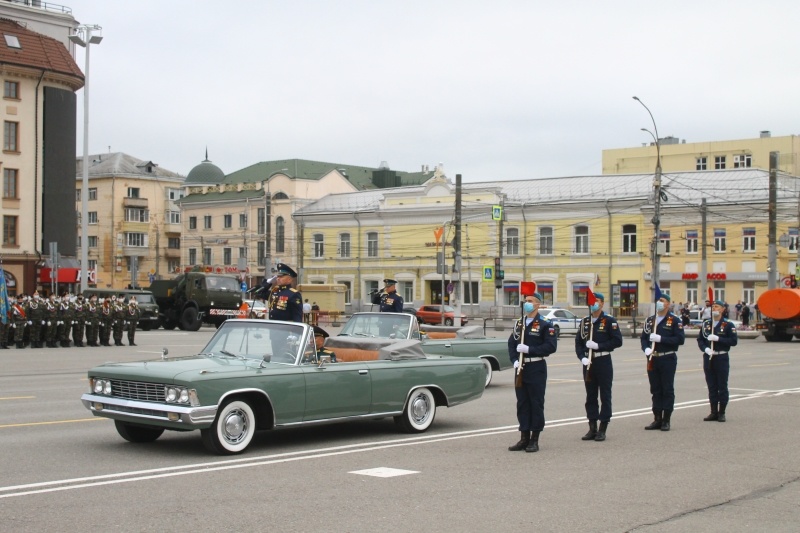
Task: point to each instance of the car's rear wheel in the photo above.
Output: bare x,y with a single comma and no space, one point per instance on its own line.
147,326
133,433
448,321
233,429
557,330
419,412
189,320
488,366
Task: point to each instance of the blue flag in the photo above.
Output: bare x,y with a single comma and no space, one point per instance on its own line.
3,296
658,292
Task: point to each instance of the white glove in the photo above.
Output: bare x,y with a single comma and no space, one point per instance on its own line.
43,322
522,348
655,337
516,364
592,345
585,361
648,351
48,323
708,351
30,322
713,337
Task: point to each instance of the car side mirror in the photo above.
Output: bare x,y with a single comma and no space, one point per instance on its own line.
267,357
324,360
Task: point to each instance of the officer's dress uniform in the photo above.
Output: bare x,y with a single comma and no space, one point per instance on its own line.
106,322
540,337
326,352
285,303
717,366
606,333
388,302
79,321
118,324
662,365
19,322
132,318
51,317
37,319
67,316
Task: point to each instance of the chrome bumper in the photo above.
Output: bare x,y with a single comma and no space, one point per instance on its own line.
181,415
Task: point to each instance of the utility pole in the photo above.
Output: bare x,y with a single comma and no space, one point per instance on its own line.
772,251
456,277
703,251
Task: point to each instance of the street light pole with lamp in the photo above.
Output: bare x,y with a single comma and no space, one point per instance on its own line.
84,36
655,260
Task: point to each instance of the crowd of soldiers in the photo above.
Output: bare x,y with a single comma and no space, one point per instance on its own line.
53,321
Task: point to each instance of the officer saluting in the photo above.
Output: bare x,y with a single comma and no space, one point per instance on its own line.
283,301
661,336
716,337
387,298
595,346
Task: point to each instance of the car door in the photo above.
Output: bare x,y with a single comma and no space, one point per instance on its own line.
336,390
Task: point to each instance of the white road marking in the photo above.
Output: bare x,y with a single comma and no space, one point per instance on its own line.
383,471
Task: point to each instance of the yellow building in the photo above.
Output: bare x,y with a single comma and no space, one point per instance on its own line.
677,155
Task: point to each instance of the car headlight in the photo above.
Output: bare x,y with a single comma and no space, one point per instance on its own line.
98,386
172,394
184,396
178,395
107,387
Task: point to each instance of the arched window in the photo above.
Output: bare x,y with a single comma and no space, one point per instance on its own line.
279,235
280,196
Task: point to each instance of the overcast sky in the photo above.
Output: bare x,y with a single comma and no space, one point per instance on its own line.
493,90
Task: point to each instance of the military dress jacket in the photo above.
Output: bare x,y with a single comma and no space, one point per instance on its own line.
726,332
605,332
285,303
540,337
671,330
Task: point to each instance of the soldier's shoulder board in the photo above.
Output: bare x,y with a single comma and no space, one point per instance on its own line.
293,290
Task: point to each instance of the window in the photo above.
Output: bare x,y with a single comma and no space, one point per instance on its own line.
691,243
793,238
372,244
12,41
742,161
262,253
719,240
207,256
173,265
136,214
719,290
370,286
629,238
280,232
174,194
11,136
406,290
545,241
92,194
133,192
749,239
77,195
748,291
9,230
280,196
227,221
174,217
92,241
192,222
579,291
691,291
243,220
512,241
11,90
663,242
92,217
261,221
719,162
174,243
319,245
226,256
92,264
344,245
192,256
138,240
207,222
10,182
242,252
701,163
581,239
348,293
472,295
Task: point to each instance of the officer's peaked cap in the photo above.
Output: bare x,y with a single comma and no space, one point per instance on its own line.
389,281
285,270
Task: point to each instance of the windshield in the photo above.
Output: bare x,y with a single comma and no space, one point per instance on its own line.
140,298
383,325
222,283
254,340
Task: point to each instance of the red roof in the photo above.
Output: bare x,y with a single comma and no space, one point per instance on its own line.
36,50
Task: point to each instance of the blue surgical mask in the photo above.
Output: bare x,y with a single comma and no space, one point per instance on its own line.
527,308
659,306
595,307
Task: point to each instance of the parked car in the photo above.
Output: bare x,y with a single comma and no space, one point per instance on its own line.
256,374
410,310
695,321
257,309
432,314
383,329
564,320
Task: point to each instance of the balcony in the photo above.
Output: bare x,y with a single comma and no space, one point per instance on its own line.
134,250
172,253
134,202
173,228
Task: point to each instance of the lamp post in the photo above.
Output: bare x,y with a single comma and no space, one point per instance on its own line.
267,223
84,36
657,191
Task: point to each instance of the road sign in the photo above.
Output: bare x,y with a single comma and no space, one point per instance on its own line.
244,287
450,288
497,212
488,273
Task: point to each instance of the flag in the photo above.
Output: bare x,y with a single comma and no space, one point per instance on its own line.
590,299
711,295
527,288
3,296
658,292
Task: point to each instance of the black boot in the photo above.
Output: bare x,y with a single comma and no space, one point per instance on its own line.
533,445
524,439
4,346
592,433
714,415
601,433
657,421
665,423
721,416
20,345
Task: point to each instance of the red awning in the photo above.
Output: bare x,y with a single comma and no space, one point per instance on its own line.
66,275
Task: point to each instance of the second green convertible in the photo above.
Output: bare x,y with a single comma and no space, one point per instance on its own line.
255,374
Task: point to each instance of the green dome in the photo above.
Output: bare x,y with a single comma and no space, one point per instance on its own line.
205,173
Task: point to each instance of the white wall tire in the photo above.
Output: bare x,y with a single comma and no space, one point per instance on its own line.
419,412
488,366
233,429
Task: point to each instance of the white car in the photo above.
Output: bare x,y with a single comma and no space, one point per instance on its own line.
257,309
564,321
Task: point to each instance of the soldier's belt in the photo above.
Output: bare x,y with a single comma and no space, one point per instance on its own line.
532,359
661,354
601,354
720,353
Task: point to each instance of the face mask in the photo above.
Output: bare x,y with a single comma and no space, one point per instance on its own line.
35,296
527,308
659,306
595,307
715,313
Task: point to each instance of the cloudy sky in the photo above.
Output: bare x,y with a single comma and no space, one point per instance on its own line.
493,90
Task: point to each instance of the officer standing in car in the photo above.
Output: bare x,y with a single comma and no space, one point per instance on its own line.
533,339
716,337
284,302
605,338
387,298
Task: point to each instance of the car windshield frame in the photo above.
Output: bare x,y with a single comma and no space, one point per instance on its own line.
286,343
381,325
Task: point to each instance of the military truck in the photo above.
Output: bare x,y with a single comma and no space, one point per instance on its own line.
195,298
149,312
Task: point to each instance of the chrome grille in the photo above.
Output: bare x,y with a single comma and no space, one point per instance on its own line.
137,390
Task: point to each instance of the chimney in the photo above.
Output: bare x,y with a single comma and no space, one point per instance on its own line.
765,134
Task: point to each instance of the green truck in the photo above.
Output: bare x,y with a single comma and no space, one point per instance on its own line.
195,298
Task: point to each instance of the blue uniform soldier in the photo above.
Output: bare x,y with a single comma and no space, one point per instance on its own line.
661,336
593,348
283,301
528,345
716,337
387,298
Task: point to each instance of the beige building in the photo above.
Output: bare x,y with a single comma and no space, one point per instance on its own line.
677,155
134,226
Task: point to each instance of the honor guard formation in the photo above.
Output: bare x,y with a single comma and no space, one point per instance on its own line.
36,322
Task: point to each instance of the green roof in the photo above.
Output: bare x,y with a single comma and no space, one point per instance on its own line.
219,196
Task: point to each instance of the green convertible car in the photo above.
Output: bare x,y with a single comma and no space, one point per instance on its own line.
256,374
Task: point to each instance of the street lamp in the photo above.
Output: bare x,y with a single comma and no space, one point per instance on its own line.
84,36
267,222
657,191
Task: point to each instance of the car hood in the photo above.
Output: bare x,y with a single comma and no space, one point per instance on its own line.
170,370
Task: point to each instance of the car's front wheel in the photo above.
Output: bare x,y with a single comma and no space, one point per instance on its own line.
419,412
557,330
488,366
233,429
448,321
133,433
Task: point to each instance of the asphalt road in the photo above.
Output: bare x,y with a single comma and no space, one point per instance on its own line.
62,470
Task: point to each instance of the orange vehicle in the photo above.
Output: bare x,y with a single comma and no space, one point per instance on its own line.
780,309
432,314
